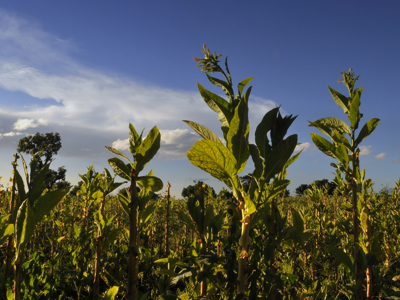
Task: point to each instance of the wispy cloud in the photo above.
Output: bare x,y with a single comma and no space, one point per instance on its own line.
23,124
380,155
93,108
365,150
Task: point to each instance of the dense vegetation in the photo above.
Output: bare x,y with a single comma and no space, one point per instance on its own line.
252,242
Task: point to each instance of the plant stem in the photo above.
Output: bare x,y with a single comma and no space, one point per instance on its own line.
133,251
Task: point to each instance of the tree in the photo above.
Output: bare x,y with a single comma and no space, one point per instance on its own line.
45,146
190,190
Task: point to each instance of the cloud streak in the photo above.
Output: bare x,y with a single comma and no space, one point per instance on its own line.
89,103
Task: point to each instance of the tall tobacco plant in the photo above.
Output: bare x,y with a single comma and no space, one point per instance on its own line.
143,150
345,148
225,161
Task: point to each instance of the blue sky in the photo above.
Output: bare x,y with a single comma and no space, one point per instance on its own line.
86,69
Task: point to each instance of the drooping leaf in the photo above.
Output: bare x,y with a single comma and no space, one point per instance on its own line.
366,130
124,201
147,149
115,151
334,123
219,105
223,84
214,158
203,131
120,168
341,100
323,145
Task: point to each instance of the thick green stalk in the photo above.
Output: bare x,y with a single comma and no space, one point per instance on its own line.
10,238
245,240
133,263
96,281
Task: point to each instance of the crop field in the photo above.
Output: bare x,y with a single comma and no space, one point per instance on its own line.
251,241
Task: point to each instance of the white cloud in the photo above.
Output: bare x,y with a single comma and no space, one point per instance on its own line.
92,104
365,150
304,146
11,133
121,144
380,155
23,124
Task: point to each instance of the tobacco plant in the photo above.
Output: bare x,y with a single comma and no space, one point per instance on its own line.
143,150
225,162
345,148
34,203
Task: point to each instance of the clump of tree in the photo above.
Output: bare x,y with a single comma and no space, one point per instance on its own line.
191,189
45,147
324,183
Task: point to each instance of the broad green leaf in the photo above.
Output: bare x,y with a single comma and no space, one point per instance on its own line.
24,227
203,131
25,168
124,203
341,257
342,154
115,151
223,84
150,183
20,186
219,105
99,220
321,127
214,158
364,219
258,162
250,206
341,100
111,293
354,115
186,220
5,232
242,84
167,272
45,203
209,216
238,134
263,128
134,139
298,225
334,123
323,145
147,149
340,139
120,168
38,183
147,213
367,129
278,157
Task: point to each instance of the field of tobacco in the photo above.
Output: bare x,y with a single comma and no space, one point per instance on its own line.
250,243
